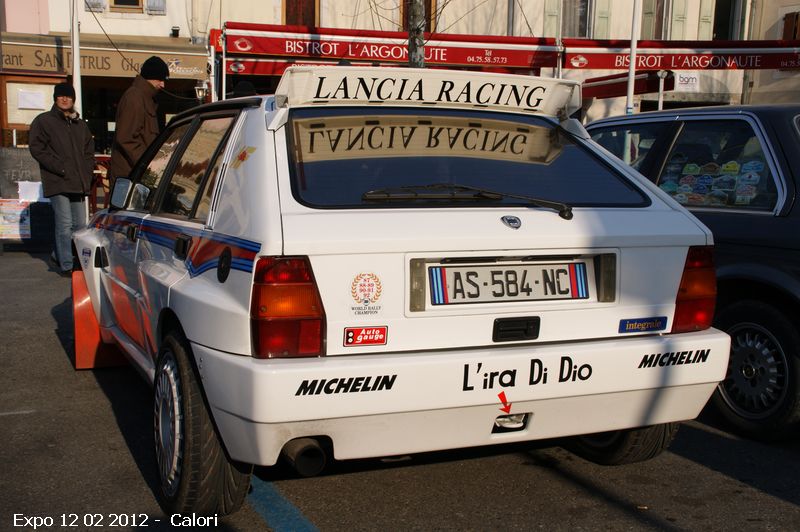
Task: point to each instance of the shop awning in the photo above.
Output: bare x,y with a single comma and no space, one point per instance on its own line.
264,49
44,55
616,85
587,54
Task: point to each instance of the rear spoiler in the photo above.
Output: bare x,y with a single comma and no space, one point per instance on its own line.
344,85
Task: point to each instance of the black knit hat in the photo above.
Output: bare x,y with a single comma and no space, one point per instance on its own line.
63,89
155,68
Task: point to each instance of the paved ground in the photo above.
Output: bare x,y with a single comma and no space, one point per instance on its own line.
79,443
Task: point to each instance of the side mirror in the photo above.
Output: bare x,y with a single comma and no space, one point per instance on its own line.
119,194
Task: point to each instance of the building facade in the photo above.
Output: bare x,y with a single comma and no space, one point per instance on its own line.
117,35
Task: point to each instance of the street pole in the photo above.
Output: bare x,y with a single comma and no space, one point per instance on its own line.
416,29
224,68
76,56
558,39
636,26
662,74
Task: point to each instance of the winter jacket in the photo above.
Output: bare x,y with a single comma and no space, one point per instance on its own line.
64,148
136,127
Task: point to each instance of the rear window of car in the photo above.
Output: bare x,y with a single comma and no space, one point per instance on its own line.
338,155
719,163
638,139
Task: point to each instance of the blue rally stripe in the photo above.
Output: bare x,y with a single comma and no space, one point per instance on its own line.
157,239
585,281
244,265
436,286
249,245
279,514
236,264
432,282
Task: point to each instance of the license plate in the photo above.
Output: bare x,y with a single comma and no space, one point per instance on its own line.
453,285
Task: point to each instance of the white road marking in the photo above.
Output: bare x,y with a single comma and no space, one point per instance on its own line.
17,413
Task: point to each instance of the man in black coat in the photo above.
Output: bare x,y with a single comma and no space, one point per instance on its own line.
63,146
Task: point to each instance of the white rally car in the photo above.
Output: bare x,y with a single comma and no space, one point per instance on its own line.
377,262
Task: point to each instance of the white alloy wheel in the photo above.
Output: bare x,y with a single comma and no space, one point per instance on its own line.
168,421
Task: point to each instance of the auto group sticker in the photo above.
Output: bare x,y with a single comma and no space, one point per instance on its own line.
366,290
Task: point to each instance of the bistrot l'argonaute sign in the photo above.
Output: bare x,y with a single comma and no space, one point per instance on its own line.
268,49
262,49
587,54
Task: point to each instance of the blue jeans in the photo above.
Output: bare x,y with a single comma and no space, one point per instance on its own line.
70,215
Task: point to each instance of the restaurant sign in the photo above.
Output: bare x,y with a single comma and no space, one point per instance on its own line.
56,59
245,42
757,55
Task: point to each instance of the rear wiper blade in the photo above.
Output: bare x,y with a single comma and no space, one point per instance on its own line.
436,191
411,192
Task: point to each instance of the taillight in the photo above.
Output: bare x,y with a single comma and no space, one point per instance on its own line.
697,294
286,314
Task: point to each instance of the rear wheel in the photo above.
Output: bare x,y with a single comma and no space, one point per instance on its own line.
195,473
760,396
624,446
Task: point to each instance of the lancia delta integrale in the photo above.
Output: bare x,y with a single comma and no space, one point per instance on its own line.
376,262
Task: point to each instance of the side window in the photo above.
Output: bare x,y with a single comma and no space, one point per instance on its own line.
152,174
719,163
640,138
204,204
187,179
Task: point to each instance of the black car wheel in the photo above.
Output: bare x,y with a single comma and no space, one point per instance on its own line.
195,473
759,396
624,446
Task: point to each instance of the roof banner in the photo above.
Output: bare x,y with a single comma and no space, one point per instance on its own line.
417,86
265,49
587,54
333,45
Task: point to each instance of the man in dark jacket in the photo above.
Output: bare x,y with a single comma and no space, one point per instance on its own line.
63,146
137,119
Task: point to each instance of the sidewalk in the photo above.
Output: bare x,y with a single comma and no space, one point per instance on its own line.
74,442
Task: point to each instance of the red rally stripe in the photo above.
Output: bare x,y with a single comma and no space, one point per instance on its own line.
444,285
573,281
208,249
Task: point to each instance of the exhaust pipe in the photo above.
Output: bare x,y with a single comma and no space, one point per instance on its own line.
305,455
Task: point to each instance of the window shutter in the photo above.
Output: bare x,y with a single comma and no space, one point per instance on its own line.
678,27
551,17
705,28
648,20
602,17
97,6
156,7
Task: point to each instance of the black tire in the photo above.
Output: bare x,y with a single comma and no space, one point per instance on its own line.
624,446
760,396
195,473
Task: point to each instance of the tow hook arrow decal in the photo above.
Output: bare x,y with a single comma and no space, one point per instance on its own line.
506,405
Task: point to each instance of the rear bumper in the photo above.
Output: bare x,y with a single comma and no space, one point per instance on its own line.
379,405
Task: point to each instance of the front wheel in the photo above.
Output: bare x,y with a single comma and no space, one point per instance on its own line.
624,446
760,396
195,473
